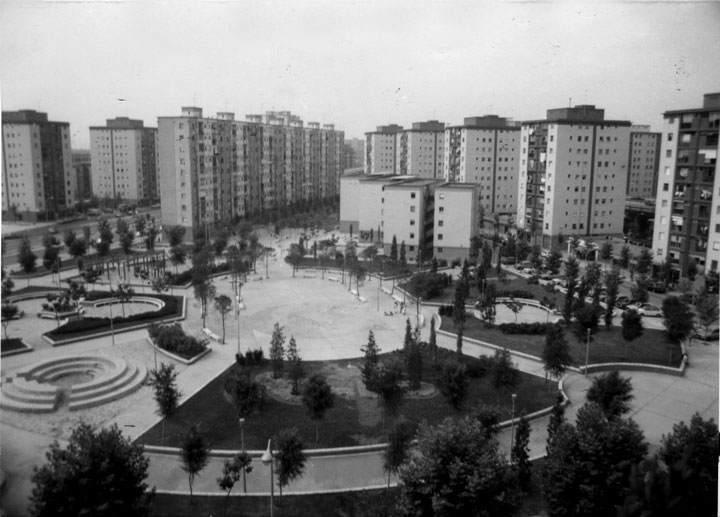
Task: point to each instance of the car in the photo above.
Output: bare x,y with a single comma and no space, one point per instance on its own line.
707,335
646,310
621,302
657,287
52,230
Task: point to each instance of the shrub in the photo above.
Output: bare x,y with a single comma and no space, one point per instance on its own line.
456,263
185,277
515,293
442,263
549,288
427,285
535,328
445,310
174,339
253,357
533,280
478,367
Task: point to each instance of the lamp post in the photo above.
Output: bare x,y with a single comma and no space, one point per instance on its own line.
242,446
512,425
112,329
419,302
267,457
237,300
587,351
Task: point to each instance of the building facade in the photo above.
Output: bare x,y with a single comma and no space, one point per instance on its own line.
687,213
381,150
485,150
420,150
455,220
643,162
573,174
124,161
38,181
81,163
354,153
215,169
362,202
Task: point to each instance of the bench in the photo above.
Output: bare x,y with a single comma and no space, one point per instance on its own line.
209,333
333,278
362,299
353,292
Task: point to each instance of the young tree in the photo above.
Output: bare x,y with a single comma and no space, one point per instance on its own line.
296,370
678,320
588,464
370,363
625,257
290,458
9,311
223,305
78,248
69,237
414,365
554,261
102,246
556,352
487,253
514,305
232,470
644,262
294,257
520,454
632,326
123,293
456,469
459,313
247,395
639,290
606,251
394,249
398,447
505,376
612,287
99,473
277,350
387,386
176,234
572,269
166,393
204,290
194,454
432,342
453,384
177,256
557,418
706,308
318,399
402,258
26,258
140,224
91,275
611,393
586,321
489,417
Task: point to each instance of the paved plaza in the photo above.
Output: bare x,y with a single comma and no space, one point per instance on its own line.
328,323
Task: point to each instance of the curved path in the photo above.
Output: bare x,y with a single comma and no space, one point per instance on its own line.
328,323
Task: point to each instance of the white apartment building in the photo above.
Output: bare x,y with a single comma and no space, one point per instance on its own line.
361,202
485,150
573,174
455,219
687,213
420,150
643,162
123,157
38,180
380,150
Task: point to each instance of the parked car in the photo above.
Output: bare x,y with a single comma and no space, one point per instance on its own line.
646,310
657,287
709,335
621,302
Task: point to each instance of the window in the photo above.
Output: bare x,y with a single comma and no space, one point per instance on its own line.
412,195
666,187
412,222
412,235
440,250
412,208
668,153
441,209
440,235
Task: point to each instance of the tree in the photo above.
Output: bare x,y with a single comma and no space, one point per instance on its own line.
194,454
414,365
294,257
99,473
220,242
398,447
612,287
166,393
69,237
78,248
459,314
91,275
457,469
126,242
176,234
678,319
203,289
453,384
394,250
9,311
505,376
318,399
240,464
520,454
177,256
277,350
644,262
102,246
514,305
639,290
223,305
632,326
26,257
572,269
388,388
606,251
87,234
247,395
625,256
370,363
402,258
290,458
557,418
296,371
554,261
140,224
123,293
487,253
432,342
588,464
706,308
612,393
489,417
586,322
556,352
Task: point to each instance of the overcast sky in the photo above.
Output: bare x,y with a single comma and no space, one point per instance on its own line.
357,64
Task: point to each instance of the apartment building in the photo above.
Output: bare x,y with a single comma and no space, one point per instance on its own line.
420,150
362,202
687,213
381,150
484,150
124,161
38,181
81,163
354,153
643,162
573,174
407,213
216,169
455,219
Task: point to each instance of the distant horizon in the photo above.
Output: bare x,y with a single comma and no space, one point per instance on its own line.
355,63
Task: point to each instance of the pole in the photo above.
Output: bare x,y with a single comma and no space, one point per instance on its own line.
237,299
587,351
112,329
512,425
267,457
242,445
378,296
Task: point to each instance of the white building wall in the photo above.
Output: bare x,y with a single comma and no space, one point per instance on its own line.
665,189
712,261
20,160
382,153
455,218
403,217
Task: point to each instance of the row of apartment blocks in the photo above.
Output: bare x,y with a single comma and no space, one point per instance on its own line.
567,175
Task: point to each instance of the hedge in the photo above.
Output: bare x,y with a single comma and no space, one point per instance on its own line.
535,328
186,276
174,339
515,293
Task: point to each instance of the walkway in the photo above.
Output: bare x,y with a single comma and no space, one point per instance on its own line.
329,323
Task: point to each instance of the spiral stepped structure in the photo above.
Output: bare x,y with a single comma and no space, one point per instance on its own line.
33,390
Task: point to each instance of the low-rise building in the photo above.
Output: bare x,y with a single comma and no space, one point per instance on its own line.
455,220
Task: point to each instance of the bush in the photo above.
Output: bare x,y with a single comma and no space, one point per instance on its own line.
442,263
533,280
478,367
456,263
516,293
445,310
174,339
251,358
536,328
185,277
428,285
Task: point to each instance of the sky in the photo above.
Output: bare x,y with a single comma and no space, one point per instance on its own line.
357,64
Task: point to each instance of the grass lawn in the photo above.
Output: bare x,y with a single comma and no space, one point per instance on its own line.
606,346
12,344
356,420
32,289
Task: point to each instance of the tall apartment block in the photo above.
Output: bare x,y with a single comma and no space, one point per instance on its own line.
687,213
124,161
215,169
456,219
420,150
484,150
38,183
573,174
354,153
81,163
643,162
381,150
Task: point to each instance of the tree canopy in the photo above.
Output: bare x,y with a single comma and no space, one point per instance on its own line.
612,393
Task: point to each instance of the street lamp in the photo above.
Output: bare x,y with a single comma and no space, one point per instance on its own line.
242,445
267,457
237,300
587,351
512,425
